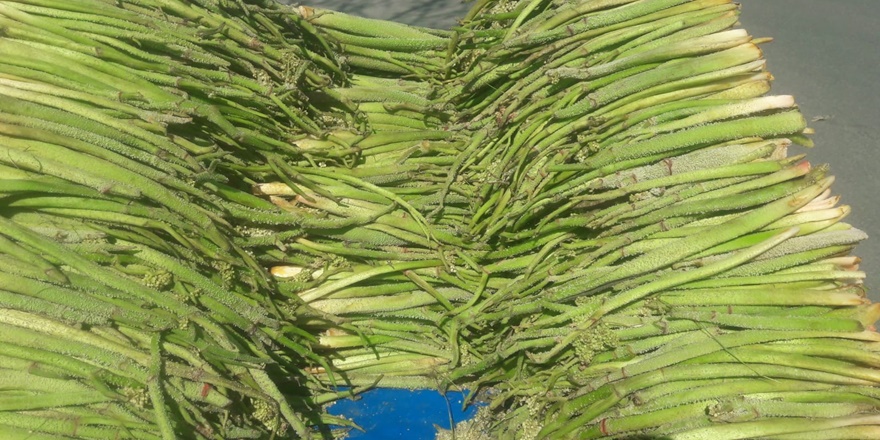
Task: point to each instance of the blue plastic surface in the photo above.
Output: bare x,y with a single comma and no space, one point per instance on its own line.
390,414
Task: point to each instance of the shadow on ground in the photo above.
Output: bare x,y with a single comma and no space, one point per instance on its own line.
438,14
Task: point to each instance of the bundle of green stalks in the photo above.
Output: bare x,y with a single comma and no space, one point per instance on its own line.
135,304
642,256
216,213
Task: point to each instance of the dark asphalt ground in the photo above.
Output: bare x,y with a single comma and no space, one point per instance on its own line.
825,52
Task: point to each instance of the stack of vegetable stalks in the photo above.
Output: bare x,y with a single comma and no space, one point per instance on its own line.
584,206
134,304
642,256
688,279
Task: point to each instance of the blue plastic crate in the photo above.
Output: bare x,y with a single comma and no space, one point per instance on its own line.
390,414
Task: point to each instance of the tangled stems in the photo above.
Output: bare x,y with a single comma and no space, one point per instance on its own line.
587,207
123,161
657,157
